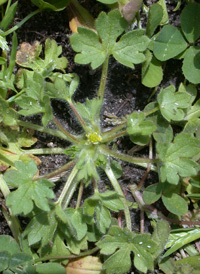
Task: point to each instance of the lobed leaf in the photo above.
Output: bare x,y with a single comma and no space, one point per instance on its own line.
119,243
95,47
128,51
29,191
177,159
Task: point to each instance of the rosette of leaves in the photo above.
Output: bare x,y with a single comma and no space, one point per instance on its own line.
174,43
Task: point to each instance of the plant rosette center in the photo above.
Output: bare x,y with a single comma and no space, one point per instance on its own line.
93,137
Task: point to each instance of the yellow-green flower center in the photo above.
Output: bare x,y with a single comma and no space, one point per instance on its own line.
94,137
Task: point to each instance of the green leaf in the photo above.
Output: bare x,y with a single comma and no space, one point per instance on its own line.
19,259
8,17
3,42
50,268
4,260
116,168
9,244
172,103
29,191
160,236
86,41
55,5
7,115
155,15
98,205
190,23
119,243
58,248
136,124
163,132
193,127
152,73
90,111
174,203
35,100
14,141
191,65
28,57
52,53
94,206
178,239
177,159
169,43
94,48
128,50
165,17
42,228
152,193
189,264
108,2
75,218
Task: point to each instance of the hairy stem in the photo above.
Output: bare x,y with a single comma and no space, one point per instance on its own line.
118,189
127,158
70,137
104,73
53,132
114,136
21,23
59,172
80,119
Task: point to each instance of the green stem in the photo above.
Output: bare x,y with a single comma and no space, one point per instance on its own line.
21,23
104,73
151,111
82,254
60,171
54,132
80,194
70,137
110,132
41,151
114,136
118,189
68,189
80,119
127,158
11,219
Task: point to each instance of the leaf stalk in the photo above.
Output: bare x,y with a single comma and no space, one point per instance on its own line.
118,189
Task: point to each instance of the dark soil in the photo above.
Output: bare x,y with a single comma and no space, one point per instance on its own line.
124,93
